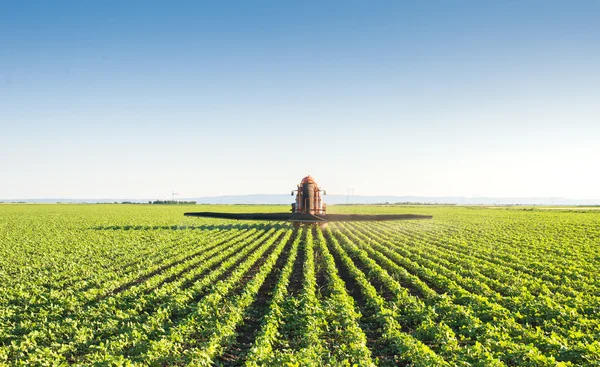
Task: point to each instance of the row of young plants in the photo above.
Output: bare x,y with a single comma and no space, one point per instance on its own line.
405,348
548,344
263,352
481,338
555,252
299,342
556,315
77,333
22,314
158,300
504,270
115,277
42,353
71,260
30,300
173,306
567,275
328,331
319,326
541,261
552,311
472,289
345,341
545,347
472,325
211,327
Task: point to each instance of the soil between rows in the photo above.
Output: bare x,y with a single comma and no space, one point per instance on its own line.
246,332
380,351
177,317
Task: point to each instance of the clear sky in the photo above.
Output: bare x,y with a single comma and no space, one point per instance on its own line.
132,99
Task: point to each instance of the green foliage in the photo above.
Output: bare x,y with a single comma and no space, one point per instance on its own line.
137,285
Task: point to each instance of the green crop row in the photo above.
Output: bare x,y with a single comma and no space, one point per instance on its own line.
134,285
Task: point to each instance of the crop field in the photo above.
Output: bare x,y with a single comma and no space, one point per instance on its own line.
120,285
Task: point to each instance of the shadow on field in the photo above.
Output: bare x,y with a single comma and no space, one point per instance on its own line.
204,227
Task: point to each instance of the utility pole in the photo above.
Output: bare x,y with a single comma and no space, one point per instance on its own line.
173,195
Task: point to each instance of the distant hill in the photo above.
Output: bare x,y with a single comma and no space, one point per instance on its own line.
341,199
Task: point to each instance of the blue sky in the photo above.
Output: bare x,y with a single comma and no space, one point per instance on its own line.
112,99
